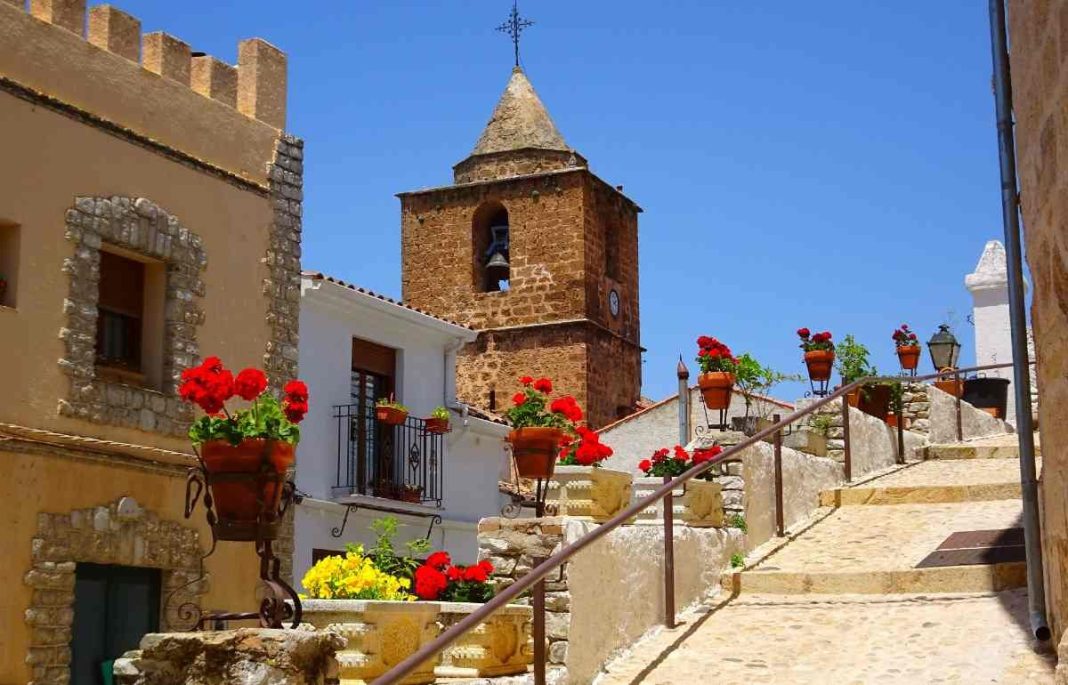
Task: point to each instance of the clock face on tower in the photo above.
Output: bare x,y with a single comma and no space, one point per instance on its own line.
613,302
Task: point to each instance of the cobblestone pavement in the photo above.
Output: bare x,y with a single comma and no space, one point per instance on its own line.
844,640
951,472
884,538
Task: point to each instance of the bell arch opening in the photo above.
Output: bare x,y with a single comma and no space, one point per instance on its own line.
491,256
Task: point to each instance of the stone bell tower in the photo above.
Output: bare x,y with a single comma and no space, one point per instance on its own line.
540,255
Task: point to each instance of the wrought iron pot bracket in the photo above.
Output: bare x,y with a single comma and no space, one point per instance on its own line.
280,602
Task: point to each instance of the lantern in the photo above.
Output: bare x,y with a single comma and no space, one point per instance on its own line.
944,349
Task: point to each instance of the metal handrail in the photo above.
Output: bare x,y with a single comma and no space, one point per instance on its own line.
541,570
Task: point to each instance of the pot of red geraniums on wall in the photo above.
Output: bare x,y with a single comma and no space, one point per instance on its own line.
260,438
908,348
852,362
539,426
438,421
581,486
702,500
390,412
717,372
819,354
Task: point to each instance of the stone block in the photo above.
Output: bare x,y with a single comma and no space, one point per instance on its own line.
590,491
261,82
167,56
66,14
115,31
214,79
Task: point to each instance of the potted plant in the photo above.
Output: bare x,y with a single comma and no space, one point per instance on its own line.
410,493
702,498
390,412
755,381
538,427
819,354
897,406
951,383
580,485
852,362
908,348
258,439
438,421
717,372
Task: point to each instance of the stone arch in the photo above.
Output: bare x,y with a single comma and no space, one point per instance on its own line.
490,223
139,226
120,533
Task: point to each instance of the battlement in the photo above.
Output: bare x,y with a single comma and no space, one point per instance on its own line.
98,60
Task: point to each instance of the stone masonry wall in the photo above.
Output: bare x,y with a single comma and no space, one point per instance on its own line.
1038,35
917,408
138,225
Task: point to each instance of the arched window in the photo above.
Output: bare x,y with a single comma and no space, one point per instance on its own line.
490,238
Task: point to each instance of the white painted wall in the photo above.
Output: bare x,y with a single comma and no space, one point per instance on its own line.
989,286
331,315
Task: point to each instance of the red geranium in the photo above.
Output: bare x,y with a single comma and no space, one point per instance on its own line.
250,383
534,409
587,450
712,355
454,573
815,341
700,456
439,579
660,465
439,560
903,337
567,406
519,398
543,385
429,582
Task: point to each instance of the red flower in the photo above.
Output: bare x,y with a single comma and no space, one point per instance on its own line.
700,456
904,326
439,560
645,465
454,573
567,406
476,574
486,566
429,582
519,398
543,385
296,391
208,385
526,380
660,455
250,383
295,411
681,454
912,336
803,332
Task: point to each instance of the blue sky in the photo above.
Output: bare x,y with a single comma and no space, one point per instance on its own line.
829,164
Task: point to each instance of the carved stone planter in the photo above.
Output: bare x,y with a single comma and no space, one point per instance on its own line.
643,487
498,647
702,504
378,634
588,491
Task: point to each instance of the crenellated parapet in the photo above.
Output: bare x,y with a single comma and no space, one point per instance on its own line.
154,84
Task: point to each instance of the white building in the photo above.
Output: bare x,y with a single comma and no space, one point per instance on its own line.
356,346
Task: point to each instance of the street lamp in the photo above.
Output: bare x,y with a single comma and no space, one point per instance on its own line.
944,349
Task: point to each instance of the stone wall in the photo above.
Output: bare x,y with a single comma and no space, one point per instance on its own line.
137,225
916,408
608,595
247,656
975,423
120,533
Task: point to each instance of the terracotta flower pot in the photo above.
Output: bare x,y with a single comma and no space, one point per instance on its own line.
243,500
819,363
391,416
909,356
534,449
413,495
716,388
891,420
436,425
951,386
873,400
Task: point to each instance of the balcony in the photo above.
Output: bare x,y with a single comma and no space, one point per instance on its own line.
404,463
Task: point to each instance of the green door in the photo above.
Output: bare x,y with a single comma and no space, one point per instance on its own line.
114,606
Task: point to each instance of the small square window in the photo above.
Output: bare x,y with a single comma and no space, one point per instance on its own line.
9,263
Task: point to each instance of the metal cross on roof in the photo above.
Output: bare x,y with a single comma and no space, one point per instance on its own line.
514,27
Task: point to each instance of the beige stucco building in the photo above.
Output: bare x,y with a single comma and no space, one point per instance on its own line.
150,211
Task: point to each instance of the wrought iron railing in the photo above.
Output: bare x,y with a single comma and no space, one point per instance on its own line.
405,462
535,579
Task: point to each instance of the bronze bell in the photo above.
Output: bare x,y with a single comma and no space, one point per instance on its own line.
497,268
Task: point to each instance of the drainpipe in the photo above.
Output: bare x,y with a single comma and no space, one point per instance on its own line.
1010,211
449,399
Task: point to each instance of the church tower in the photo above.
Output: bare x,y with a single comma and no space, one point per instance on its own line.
533,250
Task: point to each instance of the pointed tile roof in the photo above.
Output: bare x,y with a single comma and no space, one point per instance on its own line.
519,121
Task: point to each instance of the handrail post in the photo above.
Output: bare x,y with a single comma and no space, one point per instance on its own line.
539,627
669,557
845,439
780,515
959,390
900,412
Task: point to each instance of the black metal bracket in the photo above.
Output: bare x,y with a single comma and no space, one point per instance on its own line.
338,531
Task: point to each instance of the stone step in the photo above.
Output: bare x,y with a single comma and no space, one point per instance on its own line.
919,494
985,578
993,447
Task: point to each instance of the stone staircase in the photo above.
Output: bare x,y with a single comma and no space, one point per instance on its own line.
869,589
